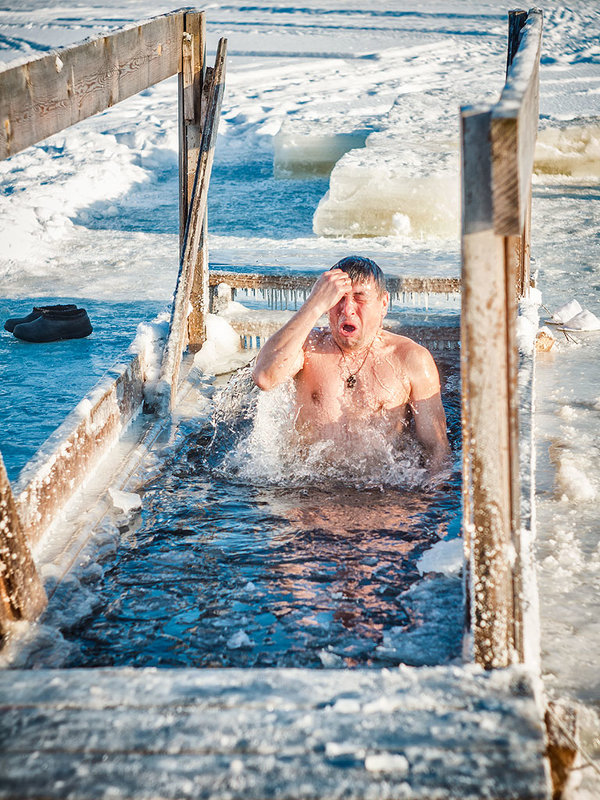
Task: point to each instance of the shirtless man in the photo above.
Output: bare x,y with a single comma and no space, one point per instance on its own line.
355,373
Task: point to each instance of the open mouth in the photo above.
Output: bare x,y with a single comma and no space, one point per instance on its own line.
348,328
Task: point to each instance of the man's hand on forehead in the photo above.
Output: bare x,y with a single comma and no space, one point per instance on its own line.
329,289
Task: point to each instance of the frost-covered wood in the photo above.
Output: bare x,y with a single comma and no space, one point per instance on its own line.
290,281
514,130
195,224
497,155
194,83
22,595
62,464
66,86
139,733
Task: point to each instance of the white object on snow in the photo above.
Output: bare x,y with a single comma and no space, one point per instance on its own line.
583,321
565,312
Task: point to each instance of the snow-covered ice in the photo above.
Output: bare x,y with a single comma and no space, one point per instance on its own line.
92,212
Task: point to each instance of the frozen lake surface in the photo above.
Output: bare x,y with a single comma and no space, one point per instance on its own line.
92,212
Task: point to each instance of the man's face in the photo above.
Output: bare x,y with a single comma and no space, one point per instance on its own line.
357,317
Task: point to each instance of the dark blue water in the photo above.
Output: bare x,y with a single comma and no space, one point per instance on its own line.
220,572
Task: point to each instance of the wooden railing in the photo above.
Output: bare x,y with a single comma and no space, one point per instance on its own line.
497,161
43,97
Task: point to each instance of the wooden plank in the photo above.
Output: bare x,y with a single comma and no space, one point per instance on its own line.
513,272
268,280
194,91
22,595
486,450
52,477
167,390
514,130
66,86
190,85
286,733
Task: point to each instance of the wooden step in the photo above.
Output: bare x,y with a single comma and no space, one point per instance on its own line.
412,733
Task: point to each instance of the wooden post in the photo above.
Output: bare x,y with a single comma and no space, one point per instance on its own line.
194,83
22,595
486,452
172,355
191,77
497,152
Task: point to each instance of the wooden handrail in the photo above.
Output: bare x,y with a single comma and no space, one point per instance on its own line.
497,161
513,131
65,86
167,389
267,280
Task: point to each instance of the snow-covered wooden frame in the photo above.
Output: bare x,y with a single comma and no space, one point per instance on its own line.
497,160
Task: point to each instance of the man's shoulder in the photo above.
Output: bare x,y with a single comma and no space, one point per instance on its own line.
405,346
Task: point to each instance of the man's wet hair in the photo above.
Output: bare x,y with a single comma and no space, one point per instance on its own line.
361,269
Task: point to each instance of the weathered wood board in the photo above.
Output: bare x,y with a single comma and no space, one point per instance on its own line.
176,340
513,132
50,93
417,734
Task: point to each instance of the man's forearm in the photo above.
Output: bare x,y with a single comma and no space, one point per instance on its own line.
282,355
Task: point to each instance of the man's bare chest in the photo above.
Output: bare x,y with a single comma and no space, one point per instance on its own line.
377,384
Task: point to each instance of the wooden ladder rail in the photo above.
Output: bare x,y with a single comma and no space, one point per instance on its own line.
497,158
193,268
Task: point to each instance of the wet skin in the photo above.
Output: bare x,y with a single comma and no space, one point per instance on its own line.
391,373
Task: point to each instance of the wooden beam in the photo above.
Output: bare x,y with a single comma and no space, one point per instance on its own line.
199,296
513,132
66,86
167,390
486,450
22,595
191,77
268,280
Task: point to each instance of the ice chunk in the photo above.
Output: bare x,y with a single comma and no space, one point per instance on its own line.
125,501
221,352
331,660
387,762
378,201
311,151
446,556
239,640
573,481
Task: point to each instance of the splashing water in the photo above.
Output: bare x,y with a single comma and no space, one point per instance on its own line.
256,440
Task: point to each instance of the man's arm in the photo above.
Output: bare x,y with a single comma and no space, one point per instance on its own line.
282,355
428,411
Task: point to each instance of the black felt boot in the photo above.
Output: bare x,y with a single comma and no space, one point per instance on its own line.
12,323
54,324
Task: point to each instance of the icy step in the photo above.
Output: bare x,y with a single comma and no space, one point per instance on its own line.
443,732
